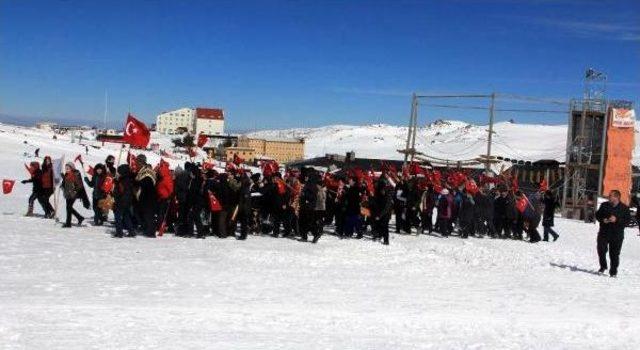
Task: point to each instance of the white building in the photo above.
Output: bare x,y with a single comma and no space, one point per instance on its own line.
209,121
195,120
169,122
49,126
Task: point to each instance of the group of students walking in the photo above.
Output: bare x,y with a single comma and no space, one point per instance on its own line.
197,201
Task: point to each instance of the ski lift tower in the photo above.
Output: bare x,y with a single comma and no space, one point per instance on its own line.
586,143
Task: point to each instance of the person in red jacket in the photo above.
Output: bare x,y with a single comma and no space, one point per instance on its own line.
164,190
47,187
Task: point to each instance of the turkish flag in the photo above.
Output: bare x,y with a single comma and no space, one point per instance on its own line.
471,187
7,186
544,187
237,160
202,140
107,185
521,204
131,160
214,203
136,133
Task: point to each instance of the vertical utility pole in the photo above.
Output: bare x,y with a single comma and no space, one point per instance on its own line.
415,127
411,130
106,106
567,167
490,137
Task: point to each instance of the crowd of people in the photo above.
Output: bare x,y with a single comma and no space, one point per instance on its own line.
195,200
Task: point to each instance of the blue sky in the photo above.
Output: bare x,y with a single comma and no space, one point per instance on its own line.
307,63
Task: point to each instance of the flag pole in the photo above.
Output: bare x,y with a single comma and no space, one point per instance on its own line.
55,202
120,154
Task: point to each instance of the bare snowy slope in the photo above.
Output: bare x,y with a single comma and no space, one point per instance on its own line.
448,139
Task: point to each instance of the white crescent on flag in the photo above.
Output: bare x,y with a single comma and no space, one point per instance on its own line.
130,129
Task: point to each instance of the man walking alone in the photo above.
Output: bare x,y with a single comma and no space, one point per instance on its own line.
613,217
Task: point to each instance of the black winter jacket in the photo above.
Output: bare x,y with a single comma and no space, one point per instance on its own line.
613,229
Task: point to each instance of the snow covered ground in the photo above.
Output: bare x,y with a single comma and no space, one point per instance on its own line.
79,288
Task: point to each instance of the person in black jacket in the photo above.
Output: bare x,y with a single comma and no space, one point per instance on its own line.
196,200
123,202
36,191
277,198
529,214
96,182
613,217
181,189
382,208
467,215
550,203
245,212
635,202
72,189
227,195
308,199
109,164
504,213
145,183
352,208
484,212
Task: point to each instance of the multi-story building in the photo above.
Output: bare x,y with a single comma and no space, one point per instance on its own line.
169,122
246,153
209,121
194,120
282,150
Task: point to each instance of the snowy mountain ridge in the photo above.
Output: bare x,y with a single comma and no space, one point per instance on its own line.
447,139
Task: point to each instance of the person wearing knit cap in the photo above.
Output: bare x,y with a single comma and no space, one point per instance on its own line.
72,189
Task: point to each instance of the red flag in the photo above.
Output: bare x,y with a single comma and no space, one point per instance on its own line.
237,160
163,163
207,165
90,171
405,172
230,168
29,169
521,204
544,186
202,140
163,227
471,187
514,184
131,160
7,186
415,169
368,180
136,133
270,167
214,203
192,152
78,158
282,187
107,185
